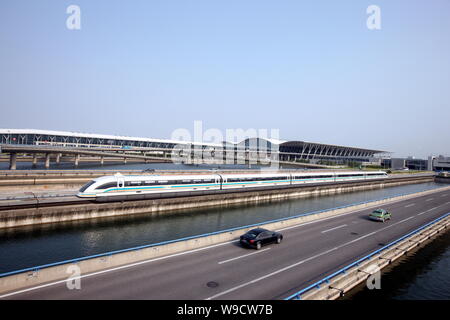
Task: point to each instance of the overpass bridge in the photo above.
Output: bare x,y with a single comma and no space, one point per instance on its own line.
50,152
143,154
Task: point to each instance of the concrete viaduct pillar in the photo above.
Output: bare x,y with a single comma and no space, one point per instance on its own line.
58,158
102,160
13,161
77,160
47,160
34,160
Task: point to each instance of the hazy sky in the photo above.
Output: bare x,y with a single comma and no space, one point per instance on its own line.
311,69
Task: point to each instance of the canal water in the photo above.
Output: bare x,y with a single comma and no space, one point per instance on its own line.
421,275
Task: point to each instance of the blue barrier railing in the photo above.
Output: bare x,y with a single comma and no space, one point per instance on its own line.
317,285
110,253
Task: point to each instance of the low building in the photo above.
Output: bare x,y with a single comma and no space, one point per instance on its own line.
441,163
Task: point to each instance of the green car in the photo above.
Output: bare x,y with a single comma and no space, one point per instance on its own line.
380,215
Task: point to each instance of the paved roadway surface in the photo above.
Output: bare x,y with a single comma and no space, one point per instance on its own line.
227,271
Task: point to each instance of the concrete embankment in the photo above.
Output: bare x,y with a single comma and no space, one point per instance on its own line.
87,265
36,214
442,179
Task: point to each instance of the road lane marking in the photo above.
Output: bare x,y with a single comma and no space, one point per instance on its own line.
410,205
243,256
444,195
303,261
406,219
419,214
325,231
429,199
428,210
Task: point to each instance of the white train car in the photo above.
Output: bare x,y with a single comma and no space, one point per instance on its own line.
119,187
258,180
138,186
312,177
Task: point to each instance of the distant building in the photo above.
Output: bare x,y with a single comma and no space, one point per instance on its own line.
441,163
433,163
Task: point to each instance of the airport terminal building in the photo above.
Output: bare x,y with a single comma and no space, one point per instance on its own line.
295,151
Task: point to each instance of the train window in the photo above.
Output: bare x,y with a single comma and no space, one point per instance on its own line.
186,181
133,183
87,185
107,185
163,182
350,175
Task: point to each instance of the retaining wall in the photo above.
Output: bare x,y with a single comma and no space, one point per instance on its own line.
72,212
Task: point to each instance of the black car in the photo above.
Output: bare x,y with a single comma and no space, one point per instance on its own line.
258,237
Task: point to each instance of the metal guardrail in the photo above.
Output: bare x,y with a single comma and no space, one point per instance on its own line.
317,285
110,253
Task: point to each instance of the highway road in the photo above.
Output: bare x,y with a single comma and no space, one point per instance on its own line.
227,271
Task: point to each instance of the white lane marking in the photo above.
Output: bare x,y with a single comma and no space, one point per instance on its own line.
410,205
338,227
419,214
406,219
243,256
443,195
429,199
303,261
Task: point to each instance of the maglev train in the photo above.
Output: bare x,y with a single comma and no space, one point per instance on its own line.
119,187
